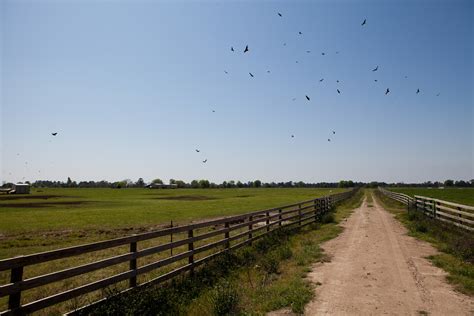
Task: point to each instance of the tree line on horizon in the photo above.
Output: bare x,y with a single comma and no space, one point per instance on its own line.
206,184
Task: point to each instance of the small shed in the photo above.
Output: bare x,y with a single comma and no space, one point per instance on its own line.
20,188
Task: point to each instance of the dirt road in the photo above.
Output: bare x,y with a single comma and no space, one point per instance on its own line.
376,269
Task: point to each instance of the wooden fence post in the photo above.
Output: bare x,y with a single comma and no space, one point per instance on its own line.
434,209
315,211
171,239
267,222
227,235
299,214
191,248
133,264
459,215
280,218
250,229
14,301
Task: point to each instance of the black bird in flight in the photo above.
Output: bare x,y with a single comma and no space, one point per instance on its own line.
54,134
307,98
268,71
337,81
375,80
417,91
300,33
246,49
308,51
323,53
250,74
197,150
387,91
337,52
279,14
226,71
292,136
294,99
334,132
213,111
204,161
338,91
406,77
437,95
376,68
232,48
321,80
284,44
365,21
329,139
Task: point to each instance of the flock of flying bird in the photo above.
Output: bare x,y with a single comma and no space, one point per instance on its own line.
246,50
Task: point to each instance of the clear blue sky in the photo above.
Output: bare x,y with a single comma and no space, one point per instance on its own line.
130,87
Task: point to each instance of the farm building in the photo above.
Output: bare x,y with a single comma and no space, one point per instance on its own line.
162,186
20,188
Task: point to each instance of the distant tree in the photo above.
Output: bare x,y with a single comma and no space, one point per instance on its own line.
120,184
140,183
300,184
461,184
180,183
69,182
195,184
257,184
240,184
449,183
172,181
157,181
204,184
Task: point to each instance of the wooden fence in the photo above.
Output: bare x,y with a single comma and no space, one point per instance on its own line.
400,197
453,213
246,228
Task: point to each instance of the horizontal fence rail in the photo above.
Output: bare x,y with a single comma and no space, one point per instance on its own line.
400,197
200,242
456,214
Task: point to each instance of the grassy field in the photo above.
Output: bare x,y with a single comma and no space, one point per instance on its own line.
58,218
268,276
457,195
52,218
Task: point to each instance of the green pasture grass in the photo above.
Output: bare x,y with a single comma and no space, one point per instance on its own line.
56,218
267,276
456,195
75,209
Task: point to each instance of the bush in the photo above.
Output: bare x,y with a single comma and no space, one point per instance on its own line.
270,263
421,227
327,218
225,299
284,252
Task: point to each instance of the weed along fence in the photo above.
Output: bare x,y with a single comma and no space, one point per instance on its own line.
67,279
456,214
